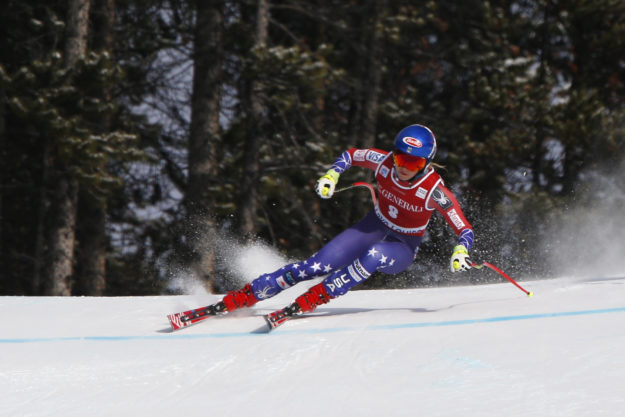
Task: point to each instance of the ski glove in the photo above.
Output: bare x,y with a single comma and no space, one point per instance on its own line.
460,259
326,184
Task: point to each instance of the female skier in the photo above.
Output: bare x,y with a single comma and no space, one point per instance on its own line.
386,239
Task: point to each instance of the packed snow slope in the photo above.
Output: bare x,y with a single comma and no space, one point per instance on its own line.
461,351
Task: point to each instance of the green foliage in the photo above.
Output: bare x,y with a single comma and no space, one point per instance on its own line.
524,97
63,105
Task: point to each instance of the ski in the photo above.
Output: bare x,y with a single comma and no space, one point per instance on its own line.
190,317
279,317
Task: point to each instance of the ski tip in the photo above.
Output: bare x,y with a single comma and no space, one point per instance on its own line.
266,328
175,322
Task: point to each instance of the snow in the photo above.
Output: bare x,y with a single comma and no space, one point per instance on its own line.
460,351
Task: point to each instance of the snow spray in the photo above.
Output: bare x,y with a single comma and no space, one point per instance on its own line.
587,239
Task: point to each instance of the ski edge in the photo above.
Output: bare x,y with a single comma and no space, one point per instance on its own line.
276,319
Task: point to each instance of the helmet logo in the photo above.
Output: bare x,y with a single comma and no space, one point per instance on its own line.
412,142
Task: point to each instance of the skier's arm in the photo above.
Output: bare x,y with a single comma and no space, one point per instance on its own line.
446,203
366,158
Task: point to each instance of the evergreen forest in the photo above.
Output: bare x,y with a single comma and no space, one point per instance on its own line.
140,139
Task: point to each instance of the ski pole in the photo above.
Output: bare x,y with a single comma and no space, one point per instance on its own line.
361,184
503,274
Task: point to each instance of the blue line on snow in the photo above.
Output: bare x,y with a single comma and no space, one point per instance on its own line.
179,336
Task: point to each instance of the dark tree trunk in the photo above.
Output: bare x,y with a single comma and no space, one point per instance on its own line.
91,227
204,137
61,234
251,171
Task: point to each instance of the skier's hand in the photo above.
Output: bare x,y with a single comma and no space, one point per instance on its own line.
326,184
460,259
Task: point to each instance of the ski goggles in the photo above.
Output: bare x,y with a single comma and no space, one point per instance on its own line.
410,162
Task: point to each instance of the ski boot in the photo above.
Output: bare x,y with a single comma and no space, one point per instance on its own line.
305,303
236,299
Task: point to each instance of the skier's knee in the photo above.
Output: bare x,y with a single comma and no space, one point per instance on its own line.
387,257
346,278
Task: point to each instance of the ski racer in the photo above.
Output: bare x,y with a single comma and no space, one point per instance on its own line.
387,238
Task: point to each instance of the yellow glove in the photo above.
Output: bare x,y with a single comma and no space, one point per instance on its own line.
460,259
326,184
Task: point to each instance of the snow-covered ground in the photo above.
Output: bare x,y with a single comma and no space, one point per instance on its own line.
460,351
